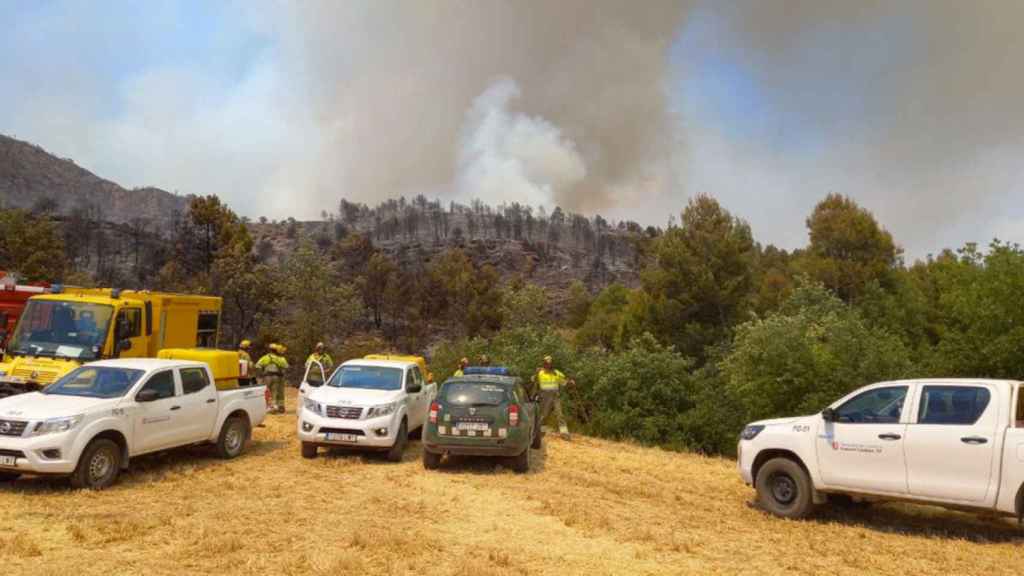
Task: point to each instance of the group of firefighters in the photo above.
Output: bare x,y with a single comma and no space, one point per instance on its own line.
271,368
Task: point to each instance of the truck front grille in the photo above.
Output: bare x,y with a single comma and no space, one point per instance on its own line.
344,412
38,376
12,427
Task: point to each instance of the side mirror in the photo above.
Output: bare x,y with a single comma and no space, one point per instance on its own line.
414,388
124,344
829,415
147,395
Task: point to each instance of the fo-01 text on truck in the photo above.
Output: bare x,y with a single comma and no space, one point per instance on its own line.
484,412
58,332
953,443
88,424
366,405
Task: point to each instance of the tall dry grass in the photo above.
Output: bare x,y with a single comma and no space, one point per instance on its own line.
589,507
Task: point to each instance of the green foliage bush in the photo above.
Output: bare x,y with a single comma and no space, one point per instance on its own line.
809,353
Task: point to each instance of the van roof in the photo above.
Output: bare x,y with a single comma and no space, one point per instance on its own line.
146,364
380,363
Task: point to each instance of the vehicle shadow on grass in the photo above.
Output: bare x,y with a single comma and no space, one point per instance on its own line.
488,466
925,521
148,467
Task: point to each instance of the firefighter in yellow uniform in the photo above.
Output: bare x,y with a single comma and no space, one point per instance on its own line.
551,382
463,364
245,361
317,360
273,365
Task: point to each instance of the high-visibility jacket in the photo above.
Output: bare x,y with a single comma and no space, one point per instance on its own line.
550,379
246,360
272,364
458,373
324,359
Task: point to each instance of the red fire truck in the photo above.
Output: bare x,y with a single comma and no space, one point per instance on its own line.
12,302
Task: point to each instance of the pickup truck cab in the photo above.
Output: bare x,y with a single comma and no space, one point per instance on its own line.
365,405
956,443
91,422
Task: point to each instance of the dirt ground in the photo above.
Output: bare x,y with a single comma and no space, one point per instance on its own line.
588,507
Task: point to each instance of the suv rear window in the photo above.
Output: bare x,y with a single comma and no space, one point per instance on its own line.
1020,408
475,394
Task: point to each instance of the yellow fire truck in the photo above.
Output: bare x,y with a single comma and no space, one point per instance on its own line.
63,329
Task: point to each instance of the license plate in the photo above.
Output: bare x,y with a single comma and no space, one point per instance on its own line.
342,437
8,461
475,426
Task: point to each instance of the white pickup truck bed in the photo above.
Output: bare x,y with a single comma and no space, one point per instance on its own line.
133,407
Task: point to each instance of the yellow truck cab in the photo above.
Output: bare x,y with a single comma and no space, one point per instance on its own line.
420,360
59,331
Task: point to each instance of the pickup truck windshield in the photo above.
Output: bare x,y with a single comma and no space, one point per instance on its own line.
475,394
367,378
95,382
56,329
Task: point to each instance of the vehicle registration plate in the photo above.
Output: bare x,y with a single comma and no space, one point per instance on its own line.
8,461
342,437
476,426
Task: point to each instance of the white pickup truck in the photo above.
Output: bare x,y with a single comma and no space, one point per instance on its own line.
90,422
367,405
955,443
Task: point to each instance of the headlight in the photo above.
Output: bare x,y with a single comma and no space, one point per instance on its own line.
313,406
54,425
751,432
381,410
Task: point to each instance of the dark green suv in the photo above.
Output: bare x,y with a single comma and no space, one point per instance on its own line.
481,414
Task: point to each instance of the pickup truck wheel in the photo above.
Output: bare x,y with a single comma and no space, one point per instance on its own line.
396,451
431,461
98,466
784,489
233,436
308,450
9,476
521,463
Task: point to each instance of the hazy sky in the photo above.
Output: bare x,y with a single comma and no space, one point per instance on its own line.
627,108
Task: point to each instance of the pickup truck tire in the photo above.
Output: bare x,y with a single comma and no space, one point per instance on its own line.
9,476
431,461
521,463
309,450
234,434
98,466
401,439
784,489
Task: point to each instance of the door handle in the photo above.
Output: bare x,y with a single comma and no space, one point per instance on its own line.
211,400
175,408
890,436
975,440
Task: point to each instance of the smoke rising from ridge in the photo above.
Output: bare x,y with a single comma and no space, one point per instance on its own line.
395,80
911,108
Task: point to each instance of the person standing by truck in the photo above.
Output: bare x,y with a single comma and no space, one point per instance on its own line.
551,382
317,360
463,364
273,365
245,363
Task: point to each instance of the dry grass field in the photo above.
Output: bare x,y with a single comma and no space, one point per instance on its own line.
589,507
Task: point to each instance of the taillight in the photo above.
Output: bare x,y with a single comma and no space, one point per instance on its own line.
434,408
513,415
